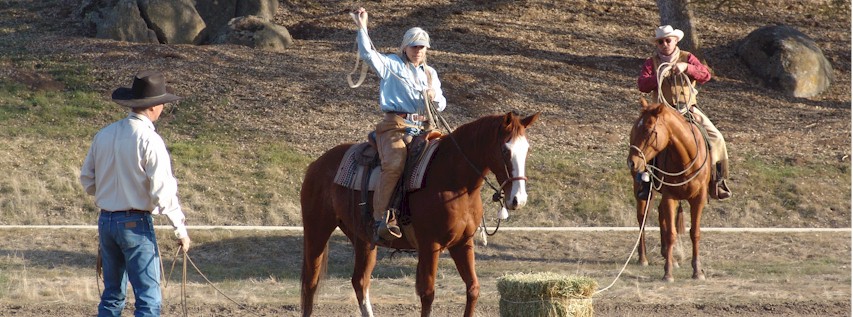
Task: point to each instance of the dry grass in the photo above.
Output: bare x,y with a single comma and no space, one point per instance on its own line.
252,120
746,272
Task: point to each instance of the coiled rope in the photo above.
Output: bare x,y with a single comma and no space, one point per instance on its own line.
681,78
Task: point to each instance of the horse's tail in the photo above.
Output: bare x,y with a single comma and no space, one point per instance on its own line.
679,219
309,288
324,263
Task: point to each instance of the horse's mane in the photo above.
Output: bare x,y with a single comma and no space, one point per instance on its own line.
492,124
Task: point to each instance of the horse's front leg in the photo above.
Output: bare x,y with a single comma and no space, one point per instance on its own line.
642,207
696,207
666,218
365,260
425,279
463,256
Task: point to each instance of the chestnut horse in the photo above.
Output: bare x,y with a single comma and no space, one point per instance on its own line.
445,212
674,152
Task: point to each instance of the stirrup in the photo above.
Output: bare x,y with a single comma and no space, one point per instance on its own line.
721,190
387,229
645,185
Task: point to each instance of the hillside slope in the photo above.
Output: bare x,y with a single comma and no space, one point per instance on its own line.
574,61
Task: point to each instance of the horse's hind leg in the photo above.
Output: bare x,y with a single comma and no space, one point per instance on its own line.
463,256
315,255
365,260
679,230
425,279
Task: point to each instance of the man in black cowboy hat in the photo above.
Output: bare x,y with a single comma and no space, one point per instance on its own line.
129,172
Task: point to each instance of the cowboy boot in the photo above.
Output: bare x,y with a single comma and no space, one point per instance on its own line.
645,185
721,189
387,229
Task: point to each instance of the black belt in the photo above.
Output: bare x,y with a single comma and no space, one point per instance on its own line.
129,210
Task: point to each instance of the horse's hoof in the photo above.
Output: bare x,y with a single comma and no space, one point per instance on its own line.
668,279
644,263
676,265
700,275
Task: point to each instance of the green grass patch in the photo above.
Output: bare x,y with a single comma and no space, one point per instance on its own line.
574,186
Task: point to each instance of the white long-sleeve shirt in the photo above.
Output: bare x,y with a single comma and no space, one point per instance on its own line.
400,84
128,167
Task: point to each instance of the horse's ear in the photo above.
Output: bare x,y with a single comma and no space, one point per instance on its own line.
643,104
529,120
508,118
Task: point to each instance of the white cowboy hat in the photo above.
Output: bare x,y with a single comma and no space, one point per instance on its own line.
665,31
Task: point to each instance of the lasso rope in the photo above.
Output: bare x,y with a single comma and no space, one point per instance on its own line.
429,108
653,170
361,76
681,78
636,244
186,258
663,71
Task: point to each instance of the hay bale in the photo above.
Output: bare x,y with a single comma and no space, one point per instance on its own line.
546,294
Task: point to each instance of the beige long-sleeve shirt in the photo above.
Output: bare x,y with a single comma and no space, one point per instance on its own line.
128,167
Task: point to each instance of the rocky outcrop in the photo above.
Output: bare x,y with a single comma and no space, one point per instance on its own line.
217,13
254,31
786,59
186,22
116,19
174,21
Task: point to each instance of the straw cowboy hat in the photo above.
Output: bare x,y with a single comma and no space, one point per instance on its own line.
149,89
665,31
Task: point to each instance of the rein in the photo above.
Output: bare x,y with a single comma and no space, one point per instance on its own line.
681,78
498,195
654,170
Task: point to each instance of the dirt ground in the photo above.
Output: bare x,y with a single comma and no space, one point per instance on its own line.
748,274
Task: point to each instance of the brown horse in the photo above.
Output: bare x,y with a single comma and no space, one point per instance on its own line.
674,153
445,212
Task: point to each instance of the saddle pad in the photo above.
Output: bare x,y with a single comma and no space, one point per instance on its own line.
350,173
348,169
416,180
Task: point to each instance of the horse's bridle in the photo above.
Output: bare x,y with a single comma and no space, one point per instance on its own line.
509,176
654,170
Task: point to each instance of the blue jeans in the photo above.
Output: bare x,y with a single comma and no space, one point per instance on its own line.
129,252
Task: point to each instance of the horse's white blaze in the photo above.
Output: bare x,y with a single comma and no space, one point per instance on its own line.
518,148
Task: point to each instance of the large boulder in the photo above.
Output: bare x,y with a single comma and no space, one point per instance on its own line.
216,14
241,22
262,8
116,19
786,59
254,31
146,21
174,21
